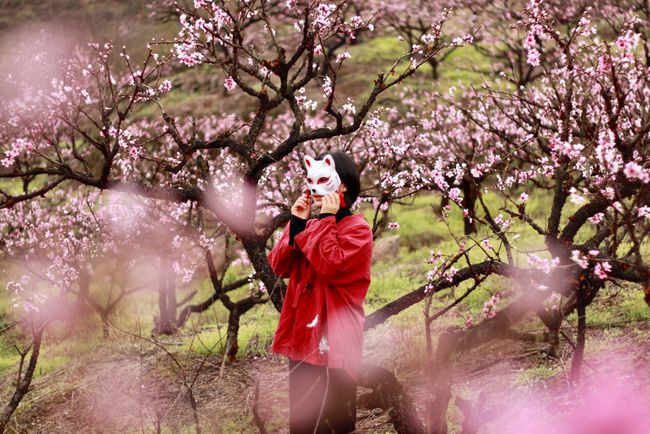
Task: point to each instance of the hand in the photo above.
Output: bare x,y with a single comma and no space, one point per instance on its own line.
331,203
302,206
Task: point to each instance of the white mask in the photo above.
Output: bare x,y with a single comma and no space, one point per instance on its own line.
321,175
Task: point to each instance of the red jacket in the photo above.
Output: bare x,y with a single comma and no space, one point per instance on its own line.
329,273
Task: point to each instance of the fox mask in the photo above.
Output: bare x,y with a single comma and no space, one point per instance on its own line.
321,175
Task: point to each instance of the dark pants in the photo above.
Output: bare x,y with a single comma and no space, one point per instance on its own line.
317,390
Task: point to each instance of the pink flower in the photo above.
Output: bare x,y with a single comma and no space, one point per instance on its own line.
393,225
643,211
596,218
608,193
604,63
449,274
435,257
489,307
634,171
262,287
554,300
134,152
542,264
602,269
486,244
349,109
229,84
580,259
533,57
529,42
342,56
454,194
165,86
523,197
327,87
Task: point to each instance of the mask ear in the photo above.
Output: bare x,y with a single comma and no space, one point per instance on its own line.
329,160
309,162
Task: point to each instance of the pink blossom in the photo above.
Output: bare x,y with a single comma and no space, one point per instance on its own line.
323,19
596,218
604,63
327,87
342,56
435,257
503,224
451,273
489,307
523,197
643,211
608,193
454,194
486,244
349,109
428,39
602,269
229,84
165,86
542,264
580,259
554,300
533,57
634,171
393,225
529,42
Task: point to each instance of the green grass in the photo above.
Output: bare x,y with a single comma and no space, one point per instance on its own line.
536,375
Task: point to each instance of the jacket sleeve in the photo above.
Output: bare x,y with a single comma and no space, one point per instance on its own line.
283,255
332,252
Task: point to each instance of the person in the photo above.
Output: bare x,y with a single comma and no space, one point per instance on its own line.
327,260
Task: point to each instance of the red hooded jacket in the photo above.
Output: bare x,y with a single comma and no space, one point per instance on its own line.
329,273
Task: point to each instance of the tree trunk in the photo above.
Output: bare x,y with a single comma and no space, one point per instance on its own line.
388,394
439,377
166,321
470,194
232,347
22,386
433,62
276,286
578,353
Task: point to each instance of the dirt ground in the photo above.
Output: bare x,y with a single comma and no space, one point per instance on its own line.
136,391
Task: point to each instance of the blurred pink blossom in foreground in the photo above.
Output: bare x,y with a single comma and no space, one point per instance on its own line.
613,400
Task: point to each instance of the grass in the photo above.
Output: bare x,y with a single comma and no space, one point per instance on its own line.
536,375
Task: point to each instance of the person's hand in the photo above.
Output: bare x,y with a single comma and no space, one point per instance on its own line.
302,206
331,203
